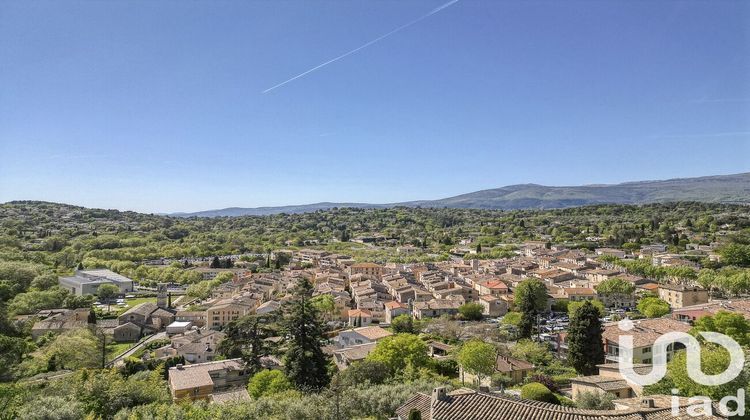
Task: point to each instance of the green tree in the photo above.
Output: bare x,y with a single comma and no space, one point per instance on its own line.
404,324
34,300
244,338
714,360
268,382
530,299
477,358
12,349
653,307
364,371
574,306
614,288
106,292
585,348
512,318
471,311
70,350
325,305
731,324
305,364
400,350
533,352
735,254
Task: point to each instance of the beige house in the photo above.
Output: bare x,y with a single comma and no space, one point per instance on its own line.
368,269
492,287
348,355
644,334
197,318
359,317
394,309
200,381
362,335
227,310
517,370
196,345
679,296
493,306
435,308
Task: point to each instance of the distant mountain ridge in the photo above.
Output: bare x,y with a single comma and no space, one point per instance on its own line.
713,189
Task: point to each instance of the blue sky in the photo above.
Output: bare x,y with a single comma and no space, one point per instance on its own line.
158,106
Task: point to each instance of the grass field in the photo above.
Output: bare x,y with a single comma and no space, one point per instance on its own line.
133,302
115,349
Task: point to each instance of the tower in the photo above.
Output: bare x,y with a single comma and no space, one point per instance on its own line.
161,295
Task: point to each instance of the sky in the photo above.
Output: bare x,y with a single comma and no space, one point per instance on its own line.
165,106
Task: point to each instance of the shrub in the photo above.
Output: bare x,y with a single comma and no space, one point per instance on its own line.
268,382
544,380
538,392
471,311
595,401
363,372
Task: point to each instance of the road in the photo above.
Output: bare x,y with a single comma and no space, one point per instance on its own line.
119,360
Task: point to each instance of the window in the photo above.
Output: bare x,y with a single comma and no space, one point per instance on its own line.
647,350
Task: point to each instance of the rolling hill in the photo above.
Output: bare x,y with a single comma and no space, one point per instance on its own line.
714,189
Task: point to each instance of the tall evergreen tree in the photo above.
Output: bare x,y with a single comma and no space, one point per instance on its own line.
305,364
531,298
215,263
244,339
585,349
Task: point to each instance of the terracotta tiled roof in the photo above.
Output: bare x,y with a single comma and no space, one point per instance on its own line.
420,402
471,405
645,331
509,364
359,312
197,375
605,383
357,352
373,332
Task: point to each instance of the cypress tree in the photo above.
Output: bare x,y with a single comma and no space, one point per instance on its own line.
305,363
585,348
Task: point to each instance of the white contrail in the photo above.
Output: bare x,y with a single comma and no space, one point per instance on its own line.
404,26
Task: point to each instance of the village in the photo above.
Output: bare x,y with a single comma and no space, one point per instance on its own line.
366,302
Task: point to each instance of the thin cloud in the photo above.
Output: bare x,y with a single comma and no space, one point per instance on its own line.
363,46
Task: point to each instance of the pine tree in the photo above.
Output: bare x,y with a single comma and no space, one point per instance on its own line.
305,364
215,263
244,339
585,349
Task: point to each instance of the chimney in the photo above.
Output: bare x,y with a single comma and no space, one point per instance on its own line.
648,403
179,366
438,394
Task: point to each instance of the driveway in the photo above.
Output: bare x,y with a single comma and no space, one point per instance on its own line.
119,360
